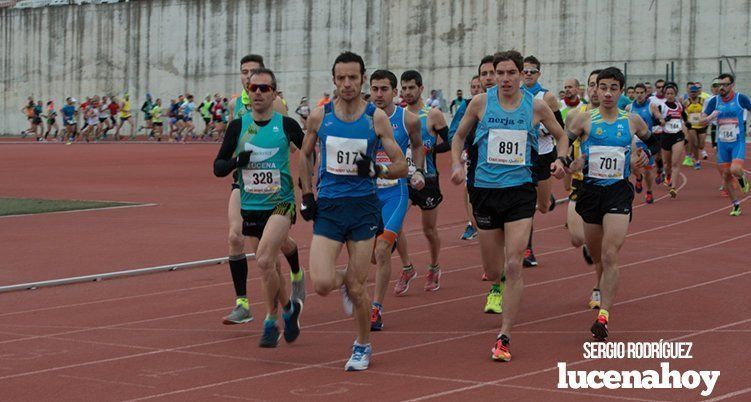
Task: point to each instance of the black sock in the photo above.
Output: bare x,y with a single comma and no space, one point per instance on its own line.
529,242
294,263
238,266
659,164
742,182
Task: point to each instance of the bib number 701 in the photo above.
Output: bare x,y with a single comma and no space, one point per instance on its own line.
608,163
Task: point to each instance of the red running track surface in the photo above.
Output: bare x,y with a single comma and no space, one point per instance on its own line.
684,277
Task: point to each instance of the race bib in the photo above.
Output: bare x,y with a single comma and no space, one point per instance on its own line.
728,132
262,181
673,126
606,162
342,153
411,167
507,147
693,118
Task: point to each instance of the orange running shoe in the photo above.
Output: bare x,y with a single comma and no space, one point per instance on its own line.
500,350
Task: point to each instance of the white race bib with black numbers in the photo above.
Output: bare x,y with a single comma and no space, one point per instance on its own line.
606,162
342,153
411,167
507,147
262,181
693,118
673,126
728,132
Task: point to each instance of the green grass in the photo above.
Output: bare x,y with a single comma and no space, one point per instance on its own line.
28,206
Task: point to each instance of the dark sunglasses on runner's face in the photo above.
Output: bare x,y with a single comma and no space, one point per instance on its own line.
530,71
262,87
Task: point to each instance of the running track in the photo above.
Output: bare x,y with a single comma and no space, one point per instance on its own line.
684,277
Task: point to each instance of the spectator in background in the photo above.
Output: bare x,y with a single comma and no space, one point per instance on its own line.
303,110
456,102
326,99
433,101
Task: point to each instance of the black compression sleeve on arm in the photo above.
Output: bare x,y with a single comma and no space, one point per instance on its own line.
224,163
652,144
559,118
445,146
293,131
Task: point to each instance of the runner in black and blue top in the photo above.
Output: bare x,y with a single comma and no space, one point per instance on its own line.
604,202
257,147
650,113
393,194
502,184
433,126
347,211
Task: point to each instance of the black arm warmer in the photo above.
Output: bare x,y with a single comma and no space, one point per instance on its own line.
445,146
652,144
559,118
225,163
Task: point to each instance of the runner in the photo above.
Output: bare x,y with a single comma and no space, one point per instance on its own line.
28,111
70,114
205,109
433,126
156,118
241,104
546,148
502,191
697,133
574,222
393,194
672,137
605,200
257,145
114,108
51,117
146,108
347,211
571,101
238,264
728,109
650,113
92,120
218,111
126,116
104,117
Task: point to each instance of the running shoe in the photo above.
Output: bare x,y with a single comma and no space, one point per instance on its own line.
736,211
494,302
298,287
638,187
360,359
433,280
594,300
346,301
688,161
587,257
239,315
469,233
650,199
292,321
529,258
673,192
376,322
660,177
668,180
697,165
402,285
600,328
704,154
500,350
271,335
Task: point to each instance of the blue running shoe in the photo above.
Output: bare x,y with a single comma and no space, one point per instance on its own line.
360,359
469,233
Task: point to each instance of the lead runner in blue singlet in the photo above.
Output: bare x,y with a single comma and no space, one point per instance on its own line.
347,211
605,199
393,194
502,188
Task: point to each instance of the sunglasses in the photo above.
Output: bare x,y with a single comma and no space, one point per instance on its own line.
724,84
261,87
530,71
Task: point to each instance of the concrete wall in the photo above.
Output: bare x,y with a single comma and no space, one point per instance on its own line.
170,46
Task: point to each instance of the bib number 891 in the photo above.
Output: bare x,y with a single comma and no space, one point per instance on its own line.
508,147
